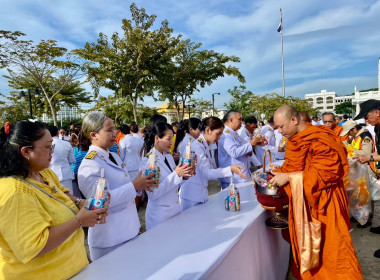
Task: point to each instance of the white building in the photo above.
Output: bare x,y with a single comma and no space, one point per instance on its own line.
218,113
326,101
66,112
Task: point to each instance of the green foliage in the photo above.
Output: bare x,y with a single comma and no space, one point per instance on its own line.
251,104
119,109
192,68
45,66
345,108
15,108
200,105
131,66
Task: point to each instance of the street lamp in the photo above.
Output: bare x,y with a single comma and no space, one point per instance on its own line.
218,93
22,94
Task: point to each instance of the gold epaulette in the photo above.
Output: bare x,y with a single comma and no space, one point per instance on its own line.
91,155
200,140
227,131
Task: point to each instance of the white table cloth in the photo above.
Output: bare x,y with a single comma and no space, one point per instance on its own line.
203,242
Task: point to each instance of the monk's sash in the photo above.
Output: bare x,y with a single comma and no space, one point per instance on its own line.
307,229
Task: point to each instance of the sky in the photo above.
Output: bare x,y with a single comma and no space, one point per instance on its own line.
328,45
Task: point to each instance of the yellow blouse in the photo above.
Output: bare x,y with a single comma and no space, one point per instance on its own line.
26,214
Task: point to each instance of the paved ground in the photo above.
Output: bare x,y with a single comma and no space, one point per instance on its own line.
365,242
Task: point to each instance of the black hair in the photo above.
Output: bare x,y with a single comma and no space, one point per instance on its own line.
251,120
19,134
183,128
271,120
134,127
125,129
158,129
358,126
174,123
211,122
345,117
155,119
229,114
83,142
53,130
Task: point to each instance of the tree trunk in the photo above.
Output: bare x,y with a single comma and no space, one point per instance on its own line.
134,105
53,112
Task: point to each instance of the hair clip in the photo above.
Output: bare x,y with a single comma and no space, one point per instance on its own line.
7,128
31,120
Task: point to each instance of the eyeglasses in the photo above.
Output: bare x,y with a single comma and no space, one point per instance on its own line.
50,148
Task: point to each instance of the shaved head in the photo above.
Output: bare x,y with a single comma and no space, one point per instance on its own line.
287,112
288,121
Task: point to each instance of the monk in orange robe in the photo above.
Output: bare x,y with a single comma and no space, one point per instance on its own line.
330,122
320,156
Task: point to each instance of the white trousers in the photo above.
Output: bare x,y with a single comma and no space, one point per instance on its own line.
96,253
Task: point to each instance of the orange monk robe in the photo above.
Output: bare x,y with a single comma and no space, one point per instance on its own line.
338,130
323,159
119,137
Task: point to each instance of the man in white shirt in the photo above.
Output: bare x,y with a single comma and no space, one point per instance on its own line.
62,158
246,133
62,135
269,144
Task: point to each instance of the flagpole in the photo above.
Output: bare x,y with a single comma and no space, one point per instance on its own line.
282,57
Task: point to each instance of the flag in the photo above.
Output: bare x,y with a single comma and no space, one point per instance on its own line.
279,29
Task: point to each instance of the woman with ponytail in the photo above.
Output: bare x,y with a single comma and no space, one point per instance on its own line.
194,191
163,202
188,128
41,223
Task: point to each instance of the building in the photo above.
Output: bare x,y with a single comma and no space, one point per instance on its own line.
218,113
170,112
326,101
65,112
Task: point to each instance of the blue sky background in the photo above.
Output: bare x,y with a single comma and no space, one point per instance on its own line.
333,45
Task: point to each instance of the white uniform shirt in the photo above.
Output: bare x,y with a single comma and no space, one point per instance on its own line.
129,151
260,150
195,188
163,202
62,159
247,137
122,222
182,146
278,155
232,150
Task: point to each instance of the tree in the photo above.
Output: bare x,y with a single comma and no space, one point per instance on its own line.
251,104
200,105
14,108
345,108
119,109
240,101
131,66
44,64
192,68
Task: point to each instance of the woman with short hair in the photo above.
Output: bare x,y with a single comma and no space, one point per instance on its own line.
41,224
123,222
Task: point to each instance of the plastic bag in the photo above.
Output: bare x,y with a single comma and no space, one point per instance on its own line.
357,186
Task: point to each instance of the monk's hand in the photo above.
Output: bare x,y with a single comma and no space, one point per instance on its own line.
362,159
237,169
279,179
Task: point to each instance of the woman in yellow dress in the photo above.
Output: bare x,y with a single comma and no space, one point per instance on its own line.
41,234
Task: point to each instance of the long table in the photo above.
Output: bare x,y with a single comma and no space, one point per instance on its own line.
203,242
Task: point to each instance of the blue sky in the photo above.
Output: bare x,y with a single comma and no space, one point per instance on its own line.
333,45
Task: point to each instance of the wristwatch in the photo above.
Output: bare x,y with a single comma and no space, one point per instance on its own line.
77,202
371,159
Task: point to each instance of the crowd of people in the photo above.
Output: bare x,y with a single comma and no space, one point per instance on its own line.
46,175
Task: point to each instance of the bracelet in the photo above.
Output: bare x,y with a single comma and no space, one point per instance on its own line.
80,224
77,202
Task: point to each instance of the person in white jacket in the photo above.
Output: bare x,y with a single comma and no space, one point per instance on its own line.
130,151
122,222
188,128
62,159
194,191
163,202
